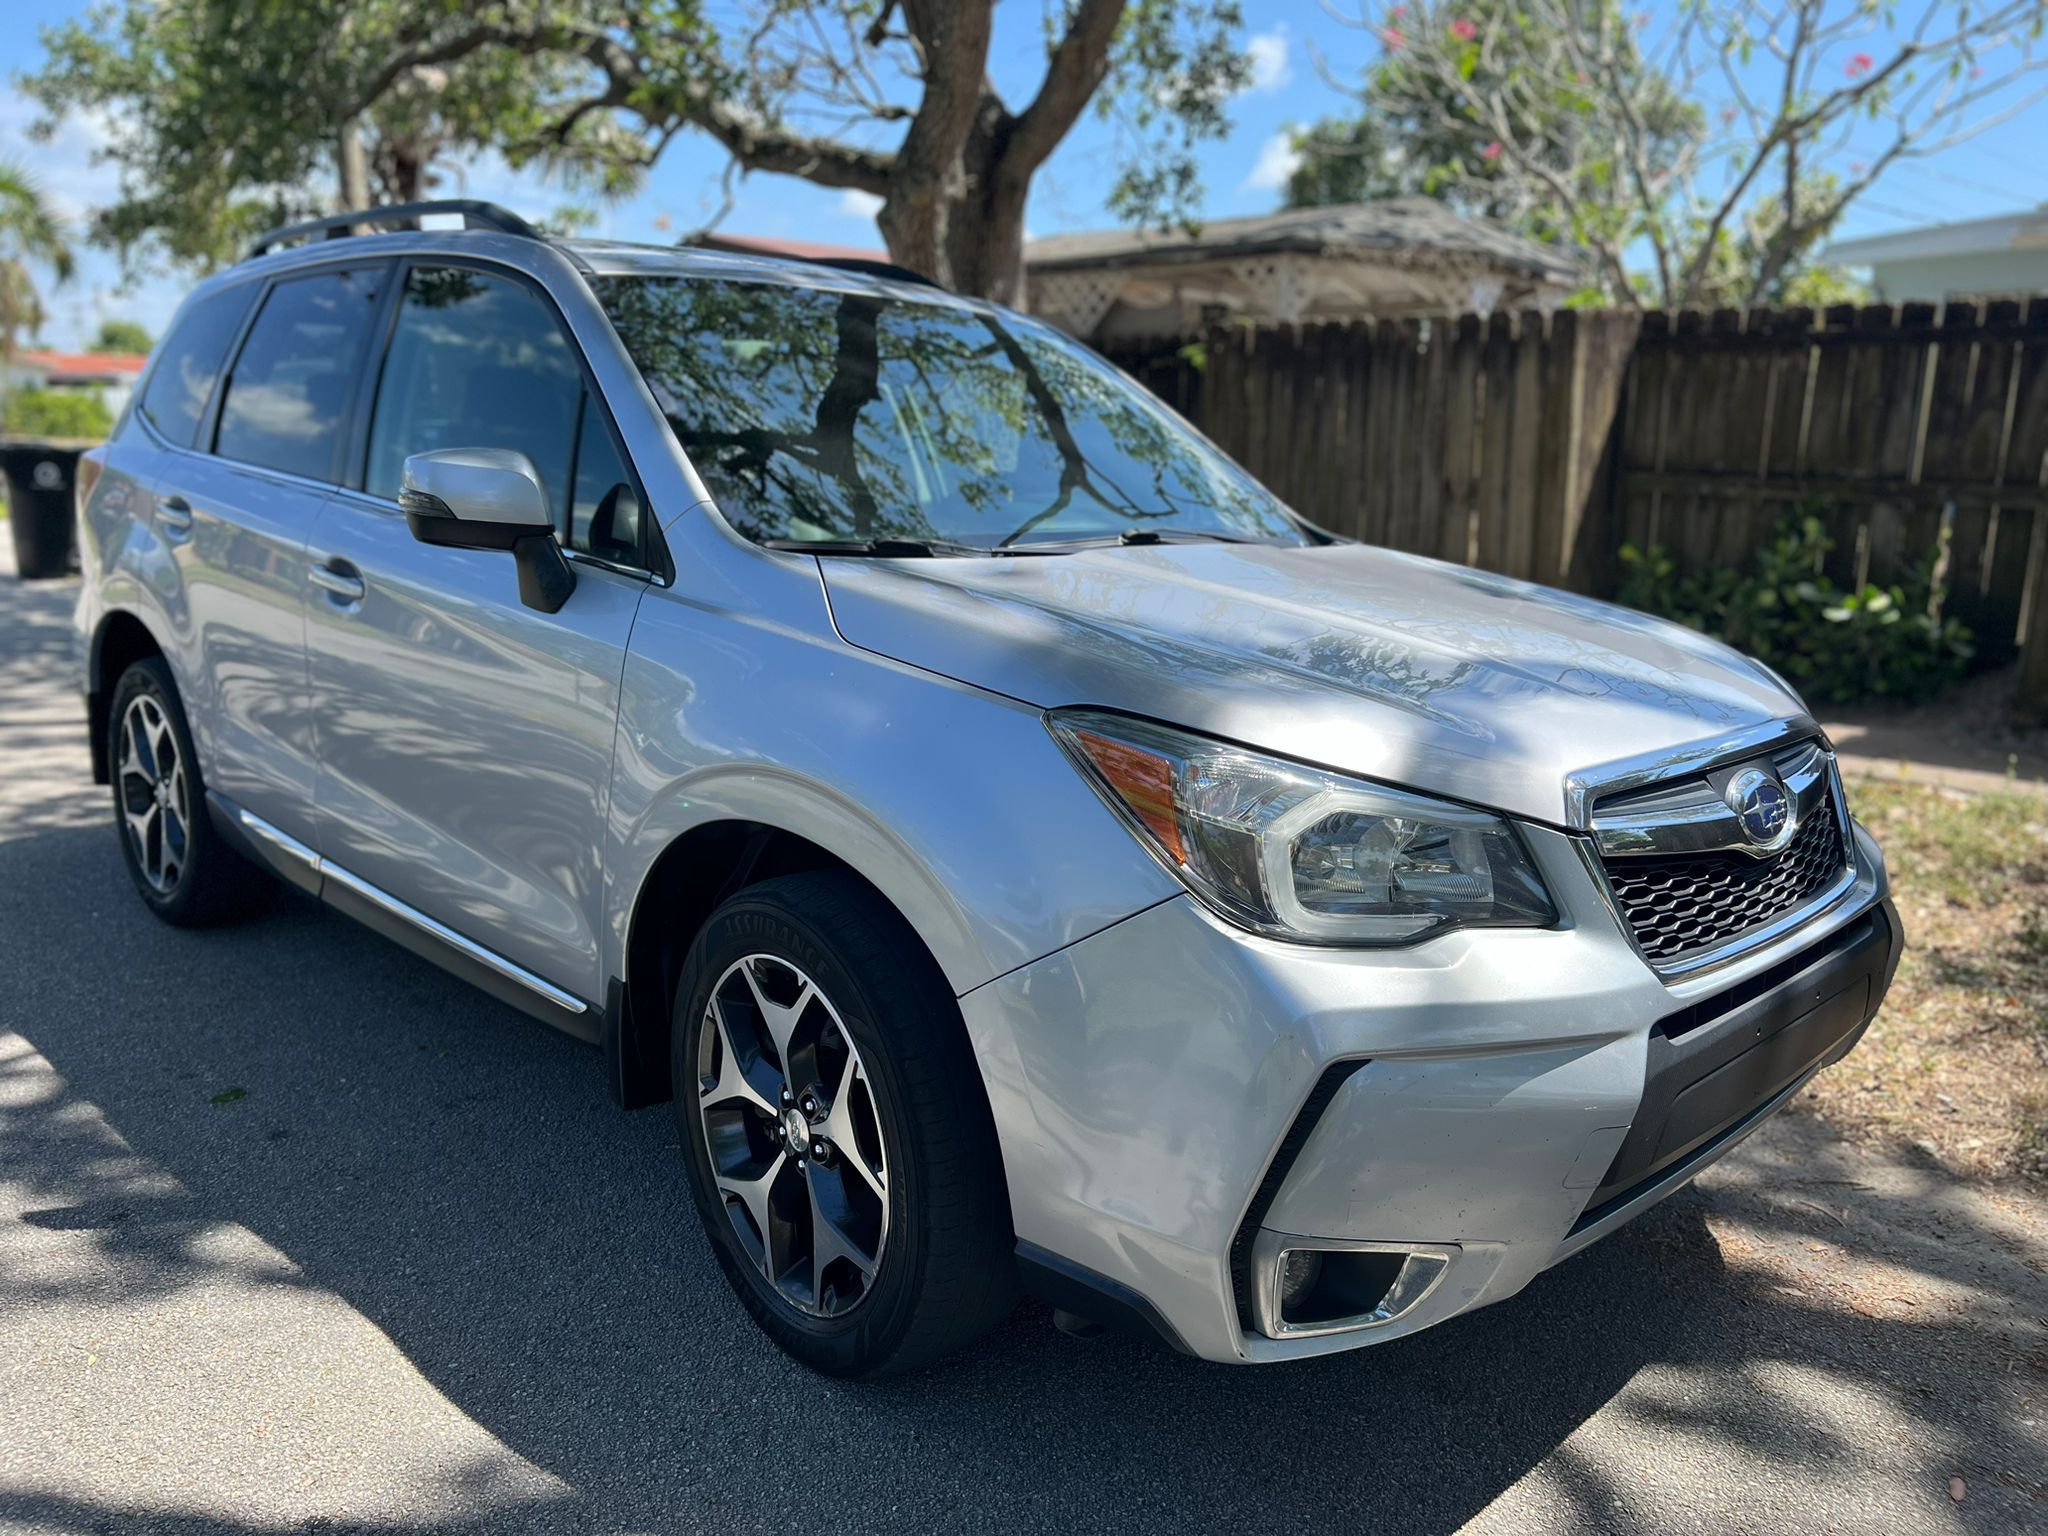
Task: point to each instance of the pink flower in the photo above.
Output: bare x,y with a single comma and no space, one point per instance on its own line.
1727,116
1858,167
1394,38
1859,64
1463,30
1397,13
1976,71
1492,151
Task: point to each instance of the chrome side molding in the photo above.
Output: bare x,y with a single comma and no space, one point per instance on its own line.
284,846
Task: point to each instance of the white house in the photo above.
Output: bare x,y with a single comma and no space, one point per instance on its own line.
2000,257
110,375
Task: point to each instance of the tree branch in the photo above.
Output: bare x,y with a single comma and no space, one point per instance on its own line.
1076,69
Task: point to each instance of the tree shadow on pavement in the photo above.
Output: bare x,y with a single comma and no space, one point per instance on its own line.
456,1174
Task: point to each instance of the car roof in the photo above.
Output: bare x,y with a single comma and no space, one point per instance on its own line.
597,258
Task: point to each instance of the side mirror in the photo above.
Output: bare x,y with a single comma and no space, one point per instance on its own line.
489,498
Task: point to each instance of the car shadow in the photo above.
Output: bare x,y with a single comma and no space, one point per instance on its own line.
456,1174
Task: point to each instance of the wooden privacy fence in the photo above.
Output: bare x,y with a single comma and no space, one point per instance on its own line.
1537,445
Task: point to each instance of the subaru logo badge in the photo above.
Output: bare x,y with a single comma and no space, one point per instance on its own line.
1765,811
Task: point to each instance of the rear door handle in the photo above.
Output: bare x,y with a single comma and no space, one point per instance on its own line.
175,513
339,578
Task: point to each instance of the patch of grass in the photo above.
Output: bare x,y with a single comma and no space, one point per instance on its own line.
1957,1062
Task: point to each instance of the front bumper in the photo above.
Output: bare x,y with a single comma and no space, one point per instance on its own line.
1181,1103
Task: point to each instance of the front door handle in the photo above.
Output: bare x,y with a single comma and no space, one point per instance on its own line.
175,513
339,578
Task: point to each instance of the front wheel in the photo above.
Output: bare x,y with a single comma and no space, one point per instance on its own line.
840,1147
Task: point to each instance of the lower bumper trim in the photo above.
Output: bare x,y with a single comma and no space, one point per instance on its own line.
1077,1289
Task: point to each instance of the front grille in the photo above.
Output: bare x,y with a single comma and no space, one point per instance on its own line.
1678,907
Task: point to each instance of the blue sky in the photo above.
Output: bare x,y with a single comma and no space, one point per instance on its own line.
1996,173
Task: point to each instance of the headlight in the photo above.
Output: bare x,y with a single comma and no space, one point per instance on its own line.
1299,853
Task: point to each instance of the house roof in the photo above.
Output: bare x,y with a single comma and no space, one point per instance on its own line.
803,250
2020,230
84,367
1397,225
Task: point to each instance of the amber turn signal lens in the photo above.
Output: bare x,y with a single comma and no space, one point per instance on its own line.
1144,780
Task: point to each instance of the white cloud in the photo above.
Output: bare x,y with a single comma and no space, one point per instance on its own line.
856,204
1271,70
1277,159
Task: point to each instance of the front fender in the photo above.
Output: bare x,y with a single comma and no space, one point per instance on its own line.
954,802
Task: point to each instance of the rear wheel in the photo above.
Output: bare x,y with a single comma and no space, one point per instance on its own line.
840,1147
184,872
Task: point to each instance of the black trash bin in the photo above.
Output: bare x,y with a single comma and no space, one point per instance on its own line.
40,477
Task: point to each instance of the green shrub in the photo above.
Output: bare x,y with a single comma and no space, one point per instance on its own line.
1834,646
58,413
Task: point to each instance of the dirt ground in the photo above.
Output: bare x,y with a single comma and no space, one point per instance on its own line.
1956,1066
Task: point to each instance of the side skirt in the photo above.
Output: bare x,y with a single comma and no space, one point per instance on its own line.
296,864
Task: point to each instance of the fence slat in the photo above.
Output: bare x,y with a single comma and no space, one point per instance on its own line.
1537,445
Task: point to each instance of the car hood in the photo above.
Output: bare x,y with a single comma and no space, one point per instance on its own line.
1389,666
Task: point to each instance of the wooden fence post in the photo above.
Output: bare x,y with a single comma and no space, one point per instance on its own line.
2031,705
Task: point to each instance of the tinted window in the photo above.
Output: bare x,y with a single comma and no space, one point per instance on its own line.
604,510
181,382
477,362
813,414
287,398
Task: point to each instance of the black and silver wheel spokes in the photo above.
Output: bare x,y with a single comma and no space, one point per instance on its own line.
795,1137
153,796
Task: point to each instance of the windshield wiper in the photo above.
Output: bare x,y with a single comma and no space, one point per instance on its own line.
1138,536
880,548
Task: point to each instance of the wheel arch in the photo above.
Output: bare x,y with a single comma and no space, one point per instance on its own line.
121,639
698,868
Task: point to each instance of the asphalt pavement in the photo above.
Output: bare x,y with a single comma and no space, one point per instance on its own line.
299,1234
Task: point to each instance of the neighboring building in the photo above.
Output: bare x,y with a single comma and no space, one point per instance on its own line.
1401,256
801,250
110,375
1999,257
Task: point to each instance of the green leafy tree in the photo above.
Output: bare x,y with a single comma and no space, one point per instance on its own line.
122,336
1723,138
1414,136
237,113
31,235
57,413
233,115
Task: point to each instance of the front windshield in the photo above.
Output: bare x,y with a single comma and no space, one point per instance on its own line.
819,416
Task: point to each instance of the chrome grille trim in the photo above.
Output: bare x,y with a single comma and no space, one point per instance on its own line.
1626,874
1693,815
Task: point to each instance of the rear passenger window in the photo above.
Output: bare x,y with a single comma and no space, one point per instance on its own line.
181,381
287,398
478,361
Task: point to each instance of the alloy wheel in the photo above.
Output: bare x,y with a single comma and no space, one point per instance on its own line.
153,788
793,1129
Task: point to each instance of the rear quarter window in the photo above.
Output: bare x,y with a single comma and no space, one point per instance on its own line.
287,398
188,363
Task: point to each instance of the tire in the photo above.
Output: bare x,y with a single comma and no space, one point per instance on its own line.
814,970
182,869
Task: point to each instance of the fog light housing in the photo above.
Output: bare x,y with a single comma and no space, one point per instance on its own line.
1300,1269
1305,1291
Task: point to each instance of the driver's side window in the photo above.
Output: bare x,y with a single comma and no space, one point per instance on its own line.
478,361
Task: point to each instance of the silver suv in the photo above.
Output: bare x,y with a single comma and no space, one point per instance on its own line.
1029,856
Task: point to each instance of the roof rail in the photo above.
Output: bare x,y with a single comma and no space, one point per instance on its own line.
475,215
868,267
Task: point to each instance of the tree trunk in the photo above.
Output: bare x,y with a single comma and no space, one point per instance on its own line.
353,168
970,236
